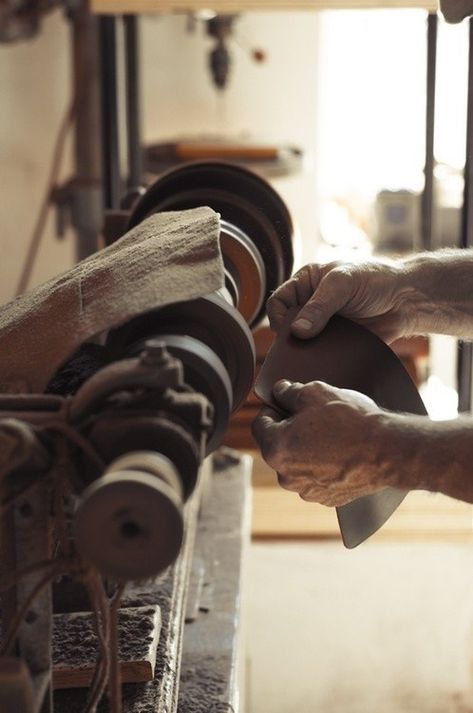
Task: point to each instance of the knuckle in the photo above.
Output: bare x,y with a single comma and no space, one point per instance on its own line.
287,482
311,495
339,276
271,453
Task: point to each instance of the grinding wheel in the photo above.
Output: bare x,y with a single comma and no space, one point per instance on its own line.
348,356
209,320
242,198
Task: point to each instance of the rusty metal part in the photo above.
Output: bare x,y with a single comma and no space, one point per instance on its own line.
245,264
154,368
243,200
116,435
209,320
205,373
130,521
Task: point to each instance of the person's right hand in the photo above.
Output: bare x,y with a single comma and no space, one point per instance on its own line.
374,294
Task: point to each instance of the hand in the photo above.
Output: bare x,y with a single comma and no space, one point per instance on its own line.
374,294
330,447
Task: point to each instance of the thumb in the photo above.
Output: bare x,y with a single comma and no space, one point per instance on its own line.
286,394
332,294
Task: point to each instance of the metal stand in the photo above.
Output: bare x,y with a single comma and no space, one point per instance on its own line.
110,126
133,108
113,188
428,193
85,188
465,349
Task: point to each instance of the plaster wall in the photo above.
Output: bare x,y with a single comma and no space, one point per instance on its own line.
272,102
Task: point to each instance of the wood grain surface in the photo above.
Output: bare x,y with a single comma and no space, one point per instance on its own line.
225,6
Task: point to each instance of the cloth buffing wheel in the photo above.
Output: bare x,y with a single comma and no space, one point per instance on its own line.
244,200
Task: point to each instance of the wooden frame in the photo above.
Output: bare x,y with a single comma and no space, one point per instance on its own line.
118,7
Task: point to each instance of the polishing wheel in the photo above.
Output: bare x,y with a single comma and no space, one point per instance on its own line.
216,325
257,231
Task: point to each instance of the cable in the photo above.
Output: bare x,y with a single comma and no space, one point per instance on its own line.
38,231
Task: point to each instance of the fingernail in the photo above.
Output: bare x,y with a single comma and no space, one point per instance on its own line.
303,324
280,385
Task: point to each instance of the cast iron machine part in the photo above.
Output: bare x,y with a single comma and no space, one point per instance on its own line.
173,377
132,440
210,336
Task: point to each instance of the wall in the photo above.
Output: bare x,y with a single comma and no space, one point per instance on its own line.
34,79
275,102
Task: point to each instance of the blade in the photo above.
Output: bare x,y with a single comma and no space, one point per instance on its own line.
348,356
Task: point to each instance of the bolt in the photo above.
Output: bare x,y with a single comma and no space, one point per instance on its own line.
154,353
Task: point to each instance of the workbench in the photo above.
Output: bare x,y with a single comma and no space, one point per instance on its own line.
199,663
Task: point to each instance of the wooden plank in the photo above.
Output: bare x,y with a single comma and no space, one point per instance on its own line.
75,646
228,6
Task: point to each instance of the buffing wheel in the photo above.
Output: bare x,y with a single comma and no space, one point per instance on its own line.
243,199
209,320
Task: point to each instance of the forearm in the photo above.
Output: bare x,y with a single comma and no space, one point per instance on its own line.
438,288
420,454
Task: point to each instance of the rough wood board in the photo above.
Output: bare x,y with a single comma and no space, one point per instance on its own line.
75,646
162,6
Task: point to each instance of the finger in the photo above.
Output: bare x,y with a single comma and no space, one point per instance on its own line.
288,482
265,424
287,394
333,293
276,311
295,291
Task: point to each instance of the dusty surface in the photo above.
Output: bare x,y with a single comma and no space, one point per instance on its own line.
75,645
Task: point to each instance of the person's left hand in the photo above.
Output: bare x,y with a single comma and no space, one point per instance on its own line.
329,448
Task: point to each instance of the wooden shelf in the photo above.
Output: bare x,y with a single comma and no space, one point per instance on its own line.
112,7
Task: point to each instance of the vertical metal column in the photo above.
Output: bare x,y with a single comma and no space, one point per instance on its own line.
428,193
133,104
109,103
465,350
86,194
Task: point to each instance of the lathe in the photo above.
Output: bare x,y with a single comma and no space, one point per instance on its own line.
98,467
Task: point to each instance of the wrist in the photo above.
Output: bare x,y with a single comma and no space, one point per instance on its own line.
438,289
416,453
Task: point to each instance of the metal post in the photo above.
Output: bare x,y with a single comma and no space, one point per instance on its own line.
133,106
109,97
86,198
428,193
465,350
